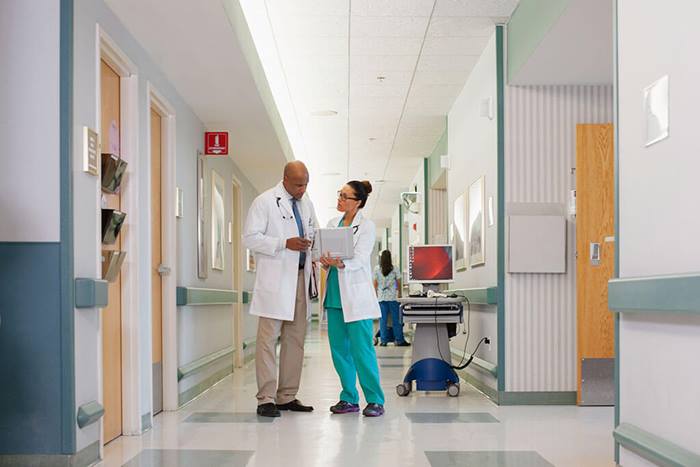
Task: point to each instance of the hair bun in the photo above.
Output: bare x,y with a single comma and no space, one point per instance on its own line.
367,185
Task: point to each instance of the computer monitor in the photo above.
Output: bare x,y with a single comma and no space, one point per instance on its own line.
430,264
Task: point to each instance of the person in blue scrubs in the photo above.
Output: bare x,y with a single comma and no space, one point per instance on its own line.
351,306
387,285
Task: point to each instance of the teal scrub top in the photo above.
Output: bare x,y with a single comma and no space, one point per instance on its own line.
333,287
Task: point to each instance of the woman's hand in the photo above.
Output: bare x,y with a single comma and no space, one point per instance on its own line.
328,261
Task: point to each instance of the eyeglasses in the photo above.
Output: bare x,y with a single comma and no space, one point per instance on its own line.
345,197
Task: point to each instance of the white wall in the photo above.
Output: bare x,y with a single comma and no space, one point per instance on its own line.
29,121
199,331
658,229
473,150
540,150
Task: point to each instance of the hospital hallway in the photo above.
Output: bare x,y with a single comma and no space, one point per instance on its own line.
220,428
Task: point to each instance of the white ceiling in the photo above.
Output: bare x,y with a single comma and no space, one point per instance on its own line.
194,45
333,51
330,54
577,49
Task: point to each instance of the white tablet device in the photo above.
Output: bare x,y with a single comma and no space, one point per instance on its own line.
336,241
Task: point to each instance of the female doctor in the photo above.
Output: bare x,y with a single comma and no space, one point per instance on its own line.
351,305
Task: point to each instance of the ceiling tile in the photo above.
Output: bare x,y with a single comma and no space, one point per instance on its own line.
460,26
364,76
309,26
388,26
378,90
385,46
440,78
474,7
447,62
392,7
383,63
454,45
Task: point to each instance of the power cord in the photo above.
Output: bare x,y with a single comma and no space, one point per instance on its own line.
462,364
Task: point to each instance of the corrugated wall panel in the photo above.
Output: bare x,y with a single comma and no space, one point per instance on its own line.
540,152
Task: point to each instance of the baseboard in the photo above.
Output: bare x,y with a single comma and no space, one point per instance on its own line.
190,394
481,386
537,398
84,458
146,422
653,448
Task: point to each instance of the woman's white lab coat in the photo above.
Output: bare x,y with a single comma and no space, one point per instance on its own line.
269,224
355,280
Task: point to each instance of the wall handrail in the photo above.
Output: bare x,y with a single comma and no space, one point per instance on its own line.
652,447
653,294
201,363
478,295
191,296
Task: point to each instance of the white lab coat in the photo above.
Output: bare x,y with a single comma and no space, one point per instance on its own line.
357,293
269,224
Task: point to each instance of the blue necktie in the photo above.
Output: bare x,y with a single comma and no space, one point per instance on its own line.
300,227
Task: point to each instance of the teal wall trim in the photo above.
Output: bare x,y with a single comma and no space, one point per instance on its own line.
68,426
537,398
146,422
193,392
401,252
198,296
487,390
86,457
247,297
89,413
479,295
202,363
501,202
658,294
91,293
616,274
654,448
528,26
426,201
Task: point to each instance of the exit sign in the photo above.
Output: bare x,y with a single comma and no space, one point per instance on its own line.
216,143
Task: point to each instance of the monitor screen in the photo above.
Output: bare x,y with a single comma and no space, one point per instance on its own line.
430,264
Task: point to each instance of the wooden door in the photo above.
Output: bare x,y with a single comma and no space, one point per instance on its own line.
595,205
156,261
111,315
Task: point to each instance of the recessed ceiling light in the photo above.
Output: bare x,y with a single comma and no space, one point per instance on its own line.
324,113
371,138
381,78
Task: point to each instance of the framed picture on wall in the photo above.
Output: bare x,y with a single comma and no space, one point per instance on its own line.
250,261
217,221
459,231
476,223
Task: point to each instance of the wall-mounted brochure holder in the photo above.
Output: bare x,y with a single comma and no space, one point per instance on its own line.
112,221
111,264
113,168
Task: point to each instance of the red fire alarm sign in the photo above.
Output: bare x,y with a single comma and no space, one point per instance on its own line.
216,143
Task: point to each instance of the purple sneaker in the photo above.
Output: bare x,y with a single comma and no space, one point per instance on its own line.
373,410
345,407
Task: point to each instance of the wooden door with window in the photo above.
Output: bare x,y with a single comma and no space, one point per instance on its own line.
156,261
595,247
110,135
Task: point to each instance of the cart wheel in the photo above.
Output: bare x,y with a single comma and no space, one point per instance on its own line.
403,389
453,390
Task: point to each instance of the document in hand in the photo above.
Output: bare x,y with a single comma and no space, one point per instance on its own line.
335,241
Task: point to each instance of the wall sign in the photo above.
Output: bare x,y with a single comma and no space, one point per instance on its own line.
216,143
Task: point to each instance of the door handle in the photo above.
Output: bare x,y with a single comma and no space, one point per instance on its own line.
163,270
595,254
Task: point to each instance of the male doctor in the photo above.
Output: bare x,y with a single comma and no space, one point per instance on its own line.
279,228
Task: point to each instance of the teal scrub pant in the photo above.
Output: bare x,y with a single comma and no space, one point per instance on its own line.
353,356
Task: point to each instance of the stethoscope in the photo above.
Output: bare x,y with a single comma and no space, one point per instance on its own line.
285,217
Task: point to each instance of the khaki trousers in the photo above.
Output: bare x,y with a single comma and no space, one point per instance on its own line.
292,335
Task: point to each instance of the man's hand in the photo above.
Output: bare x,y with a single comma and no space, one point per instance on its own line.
328,261
298,244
